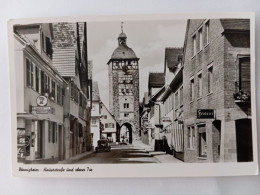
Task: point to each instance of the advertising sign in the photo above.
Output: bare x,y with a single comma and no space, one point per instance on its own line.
205,114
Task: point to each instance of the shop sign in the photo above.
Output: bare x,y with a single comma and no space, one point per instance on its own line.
41,100
205,114
42,110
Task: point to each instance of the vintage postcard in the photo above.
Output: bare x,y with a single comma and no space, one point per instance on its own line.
133,96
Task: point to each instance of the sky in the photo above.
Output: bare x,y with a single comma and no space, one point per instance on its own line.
148,39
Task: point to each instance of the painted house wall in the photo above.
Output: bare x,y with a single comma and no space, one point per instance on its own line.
27,98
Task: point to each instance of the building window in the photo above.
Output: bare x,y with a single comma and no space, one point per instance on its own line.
207,33
200,39
94,121
181,96
32,76
210,79
125,89
47,45
109,125
202,136
126,105
191,137
194,45
59,95
126,79
74,92
126,114
192,89
53,90
199,85
48,85
244,75
42,82
28,73
37,81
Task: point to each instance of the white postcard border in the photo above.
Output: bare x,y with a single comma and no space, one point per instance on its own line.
133,170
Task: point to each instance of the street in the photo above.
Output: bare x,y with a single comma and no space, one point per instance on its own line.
120,154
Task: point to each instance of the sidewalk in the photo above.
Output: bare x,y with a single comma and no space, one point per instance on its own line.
76,158
162,157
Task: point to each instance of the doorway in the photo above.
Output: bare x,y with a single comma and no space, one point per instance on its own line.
126,133
244,140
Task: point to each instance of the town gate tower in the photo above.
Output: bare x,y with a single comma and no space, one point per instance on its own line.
123,72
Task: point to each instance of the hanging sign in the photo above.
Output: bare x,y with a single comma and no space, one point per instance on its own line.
41,100
205,113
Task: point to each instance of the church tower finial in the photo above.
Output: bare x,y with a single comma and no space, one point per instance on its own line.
122,26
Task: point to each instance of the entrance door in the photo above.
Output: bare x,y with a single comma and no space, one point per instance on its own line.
244,140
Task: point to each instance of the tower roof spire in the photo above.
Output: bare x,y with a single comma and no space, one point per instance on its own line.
122,26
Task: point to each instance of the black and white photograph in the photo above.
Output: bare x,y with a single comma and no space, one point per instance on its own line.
132,92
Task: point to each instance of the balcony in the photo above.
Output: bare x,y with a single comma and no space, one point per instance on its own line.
242,92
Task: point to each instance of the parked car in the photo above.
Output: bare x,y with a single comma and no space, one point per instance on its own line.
103,145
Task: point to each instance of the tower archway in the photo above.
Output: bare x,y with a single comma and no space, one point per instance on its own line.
126,133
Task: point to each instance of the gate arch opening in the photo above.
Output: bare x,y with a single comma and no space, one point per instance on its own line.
126,133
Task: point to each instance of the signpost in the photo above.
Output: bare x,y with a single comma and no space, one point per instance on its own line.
206,114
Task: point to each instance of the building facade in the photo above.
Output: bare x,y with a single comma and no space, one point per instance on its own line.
172,99
40,100
216,84
108,125
123,71
70,59
95,114
153,109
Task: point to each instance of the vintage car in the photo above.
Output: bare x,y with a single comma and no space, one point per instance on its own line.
103,145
